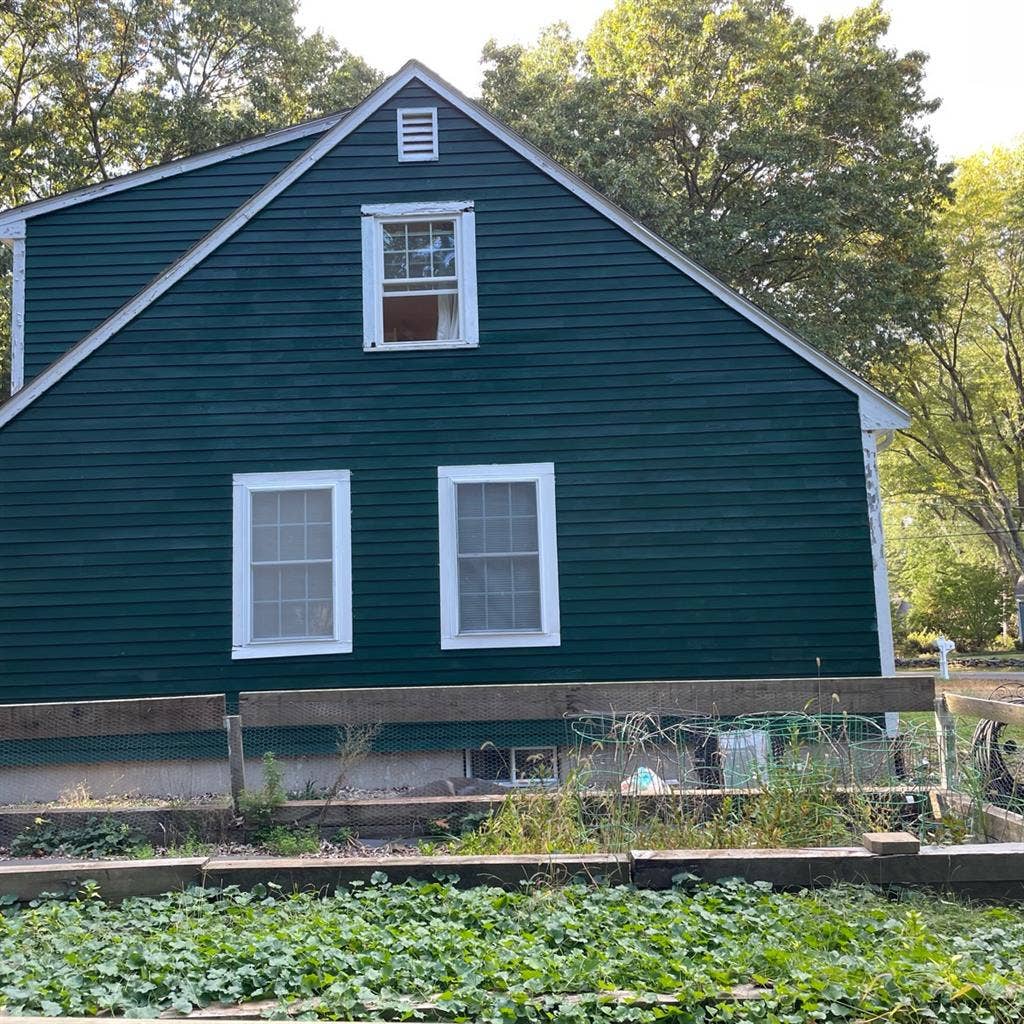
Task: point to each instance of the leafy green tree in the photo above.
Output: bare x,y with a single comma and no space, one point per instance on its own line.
90,89
945,577
790,160
964,382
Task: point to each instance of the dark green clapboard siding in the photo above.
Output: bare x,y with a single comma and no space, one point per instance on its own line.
710,490
84,262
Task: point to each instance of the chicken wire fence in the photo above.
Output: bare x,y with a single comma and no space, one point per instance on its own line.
79,754
648,750
93,753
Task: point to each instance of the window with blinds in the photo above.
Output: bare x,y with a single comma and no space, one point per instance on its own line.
499,565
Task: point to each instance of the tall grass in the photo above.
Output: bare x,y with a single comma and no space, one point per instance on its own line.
807,793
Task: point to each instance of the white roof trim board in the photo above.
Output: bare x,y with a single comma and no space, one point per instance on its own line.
877,412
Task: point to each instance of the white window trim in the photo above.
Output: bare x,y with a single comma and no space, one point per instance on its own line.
416,157
543,475
373,272
244,484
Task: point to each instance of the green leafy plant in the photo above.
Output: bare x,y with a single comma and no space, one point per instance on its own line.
283,841
572,955
98,837
311,790
190,846
345,836
258,806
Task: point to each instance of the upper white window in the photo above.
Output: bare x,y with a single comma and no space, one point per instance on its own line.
499,560
292,584
419,276
417,133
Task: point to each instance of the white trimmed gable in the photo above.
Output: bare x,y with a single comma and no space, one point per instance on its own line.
877,412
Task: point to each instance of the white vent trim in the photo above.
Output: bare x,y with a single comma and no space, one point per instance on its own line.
417,133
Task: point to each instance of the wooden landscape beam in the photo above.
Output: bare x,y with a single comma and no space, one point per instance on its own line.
545,701
111,717
980,707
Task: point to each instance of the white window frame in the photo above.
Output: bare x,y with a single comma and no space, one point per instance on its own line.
373,219
244,485
404,157
543,475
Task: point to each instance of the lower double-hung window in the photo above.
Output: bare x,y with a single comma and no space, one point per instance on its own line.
499,562
292,585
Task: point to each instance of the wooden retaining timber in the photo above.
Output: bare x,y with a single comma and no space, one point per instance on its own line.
117,879
61,720
983,871
987,708
997,823
330,872
545,701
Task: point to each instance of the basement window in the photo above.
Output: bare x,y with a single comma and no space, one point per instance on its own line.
419,276
499,563
292,582
513,766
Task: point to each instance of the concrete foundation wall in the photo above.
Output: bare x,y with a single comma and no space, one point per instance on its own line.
72,783
310,775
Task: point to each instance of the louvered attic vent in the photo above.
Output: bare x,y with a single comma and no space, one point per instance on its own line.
417,133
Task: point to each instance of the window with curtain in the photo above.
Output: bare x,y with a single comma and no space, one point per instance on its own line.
419,276
499,564
292,577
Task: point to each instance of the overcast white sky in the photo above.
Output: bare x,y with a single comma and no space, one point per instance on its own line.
975,45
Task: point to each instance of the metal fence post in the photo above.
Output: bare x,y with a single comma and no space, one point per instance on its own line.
236,756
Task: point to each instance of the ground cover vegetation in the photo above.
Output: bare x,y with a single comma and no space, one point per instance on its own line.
97,837
431,951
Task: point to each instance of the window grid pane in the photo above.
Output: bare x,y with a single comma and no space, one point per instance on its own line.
420,255
291,565
498,557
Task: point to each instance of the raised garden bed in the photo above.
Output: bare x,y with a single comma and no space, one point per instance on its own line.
575,954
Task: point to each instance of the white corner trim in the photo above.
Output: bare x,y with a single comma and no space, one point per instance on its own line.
373,218
13,219
543,475
879,406
243,486
18,314
883,608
